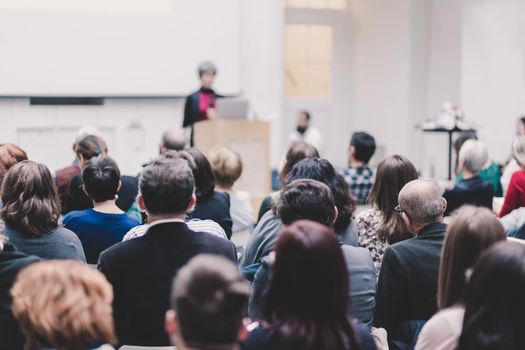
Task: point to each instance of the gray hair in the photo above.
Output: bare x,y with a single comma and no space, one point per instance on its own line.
518,150
207,66
174,139
422,202
473,155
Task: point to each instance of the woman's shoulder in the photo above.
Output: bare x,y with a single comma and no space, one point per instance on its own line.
442,330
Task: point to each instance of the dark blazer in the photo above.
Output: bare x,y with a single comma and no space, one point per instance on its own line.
216,208
141,271
78,199
11,262
473,191
191,111
407,286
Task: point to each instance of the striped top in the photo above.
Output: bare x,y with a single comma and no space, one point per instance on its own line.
196,225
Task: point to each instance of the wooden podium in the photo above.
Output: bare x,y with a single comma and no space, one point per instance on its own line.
251,140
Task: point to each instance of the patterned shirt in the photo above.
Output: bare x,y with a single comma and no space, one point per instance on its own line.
360,180
196,225
367,223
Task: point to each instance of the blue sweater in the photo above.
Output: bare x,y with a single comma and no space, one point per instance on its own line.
98,231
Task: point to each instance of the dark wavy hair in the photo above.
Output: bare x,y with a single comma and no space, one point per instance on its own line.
323,171
305,308
201,169
31,202
494,302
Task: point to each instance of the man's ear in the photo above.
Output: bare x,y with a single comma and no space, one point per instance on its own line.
406,219
171,323
445,204
243,333
141,204
192,202
336,214
119,185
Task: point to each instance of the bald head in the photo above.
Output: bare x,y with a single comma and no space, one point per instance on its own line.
173,140
422,202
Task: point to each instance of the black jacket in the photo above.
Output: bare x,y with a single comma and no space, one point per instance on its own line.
191,111
78,199
407,286
473,191
11,262
141,271
215,208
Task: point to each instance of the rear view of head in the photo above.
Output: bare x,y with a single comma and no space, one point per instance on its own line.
101,178
89,147
63,304
362,147
392,174
226,165
31,202
323,171
173,140
471,231
83,132
421,204
306,199
518,150
473,156
307,306
209,298
166,187
494,301
297,152
10,154
201,167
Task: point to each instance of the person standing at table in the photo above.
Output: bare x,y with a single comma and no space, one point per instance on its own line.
201,104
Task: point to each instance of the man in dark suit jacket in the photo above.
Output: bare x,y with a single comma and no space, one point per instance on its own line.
141,269
407,286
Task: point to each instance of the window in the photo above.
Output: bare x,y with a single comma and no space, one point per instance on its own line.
308,60
317,4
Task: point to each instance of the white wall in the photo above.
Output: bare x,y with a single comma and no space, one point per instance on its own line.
133,126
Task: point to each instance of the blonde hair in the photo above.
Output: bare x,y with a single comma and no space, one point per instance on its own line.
63,304
518,150
226,166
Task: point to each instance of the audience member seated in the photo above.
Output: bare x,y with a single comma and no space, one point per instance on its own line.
63,176
227,169
515,196
106,224
11,262
491,171
89,147
358,174
471,189
513,222
407,286
297,152
471,232
312,200
63,305
263,238
510,165
494,301
31,212
381,226
10,155
141,269
306,308
208,304
305,132
173,140
211,204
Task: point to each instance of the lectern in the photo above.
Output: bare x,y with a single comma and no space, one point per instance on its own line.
251,140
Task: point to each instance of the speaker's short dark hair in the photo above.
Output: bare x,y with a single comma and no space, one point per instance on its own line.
306,199
101,177
166,185
210,298
364,145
